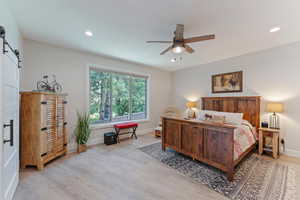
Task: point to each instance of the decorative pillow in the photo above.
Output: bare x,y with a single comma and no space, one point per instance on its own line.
217,119
234,118
203,114
230,118
208,117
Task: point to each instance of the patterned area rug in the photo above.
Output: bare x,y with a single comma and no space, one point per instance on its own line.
255,178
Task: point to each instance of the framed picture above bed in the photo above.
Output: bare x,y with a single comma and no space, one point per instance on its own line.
227,82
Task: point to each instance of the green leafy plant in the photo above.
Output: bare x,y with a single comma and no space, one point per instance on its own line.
82,130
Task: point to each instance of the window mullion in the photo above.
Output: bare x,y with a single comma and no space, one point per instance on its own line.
110,97
146,98
130,98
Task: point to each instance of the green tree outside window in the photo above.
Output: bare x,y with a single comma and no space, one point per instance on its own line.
117,97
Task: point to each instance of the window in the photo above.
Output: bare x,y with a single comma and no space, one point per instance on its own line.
116,97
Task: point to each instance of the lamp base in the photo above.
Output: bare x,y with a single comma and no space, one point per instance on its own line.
191,114
274,121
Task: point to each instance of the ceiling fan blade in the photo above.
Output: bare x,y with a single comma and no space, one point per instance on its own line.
165,51
179,32
189,49
159,41
199,39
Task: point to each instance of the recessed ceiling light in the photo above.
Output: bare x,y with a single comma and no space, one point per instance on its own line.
274,29
173,60
89,33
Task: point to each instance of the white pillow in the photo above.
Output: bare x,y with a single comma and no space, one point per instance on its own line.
230,118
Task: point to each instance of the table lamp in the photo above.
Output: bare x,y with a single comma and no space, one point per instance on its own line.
274,118
191,113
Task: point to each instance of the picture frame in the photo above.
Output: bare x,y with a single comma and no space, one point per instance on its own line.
227,82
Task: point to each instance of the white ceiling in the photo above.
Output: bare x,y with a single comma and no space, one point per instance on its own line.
121,27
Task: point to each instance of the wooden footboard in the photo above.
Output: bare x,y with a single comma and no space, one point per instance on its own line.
210,143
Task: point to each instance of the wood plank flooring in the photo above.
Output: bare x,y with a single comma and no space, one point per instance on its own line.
117,172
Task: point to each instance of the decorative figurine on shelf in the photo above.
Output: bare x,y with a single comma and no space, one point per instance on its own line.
45,85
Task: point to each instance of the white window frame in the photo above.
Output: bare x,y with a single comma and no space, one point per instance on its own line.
116,70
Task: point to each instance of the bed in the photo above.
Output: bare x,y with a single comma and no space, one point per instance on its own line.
220,145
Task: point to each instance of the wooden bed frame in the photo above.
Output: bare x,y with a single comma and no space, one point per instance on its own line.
208,142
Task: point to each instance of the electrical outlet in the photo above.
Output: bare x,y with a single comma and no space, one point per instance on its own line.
283,144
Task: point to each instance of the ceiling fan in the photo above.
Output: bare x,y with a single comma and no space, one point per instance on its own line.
179,44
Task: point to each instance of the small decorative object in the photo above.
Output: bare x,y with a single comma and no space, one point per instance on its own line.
191,114
82,131
274,118
228,82
265,125
45,85
208,117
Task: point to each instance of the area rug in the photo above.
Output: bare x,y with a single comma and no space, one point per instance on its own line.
256,178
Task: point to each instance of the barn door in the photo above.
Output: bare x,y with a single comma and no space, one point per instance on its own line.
9,121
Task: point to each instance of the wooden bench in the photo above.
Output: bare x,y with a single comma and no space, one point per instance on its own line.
129,125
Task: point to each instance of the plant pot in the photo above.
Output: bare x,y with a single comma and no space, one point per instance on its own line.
81,148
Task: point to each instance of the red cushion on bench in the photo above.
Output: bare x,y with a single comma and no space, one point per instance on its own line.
126,125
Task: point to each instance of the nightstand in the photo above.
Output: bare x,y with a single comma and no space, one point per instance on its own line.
272,133
158,131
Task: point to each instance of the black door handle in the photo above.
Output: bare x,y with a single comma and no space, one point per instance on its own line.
11,125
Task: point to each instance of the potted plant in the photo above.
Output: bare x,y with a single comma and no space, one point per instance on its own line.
82,131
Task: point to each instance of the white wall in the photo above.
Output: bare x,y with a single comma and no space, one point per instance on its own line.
13,35
7,20
273,74
70,69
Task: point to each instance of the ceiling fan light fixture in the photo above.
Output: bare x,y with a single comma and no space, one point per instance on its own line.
178,49
181,44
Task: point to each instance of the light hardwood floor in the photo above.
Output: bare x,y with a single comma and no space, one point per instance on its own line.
117,172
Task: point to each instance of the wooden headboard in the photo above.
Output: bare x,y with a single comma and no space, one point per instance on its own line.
250,106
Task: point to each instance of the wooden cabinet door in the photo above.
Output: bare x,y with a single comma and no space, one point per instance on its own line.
60,120
186,139
48,124
172,134
217,146
197,141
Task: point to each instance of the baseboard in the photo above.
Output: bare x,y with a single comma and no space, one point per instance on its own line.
100,140
291,152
